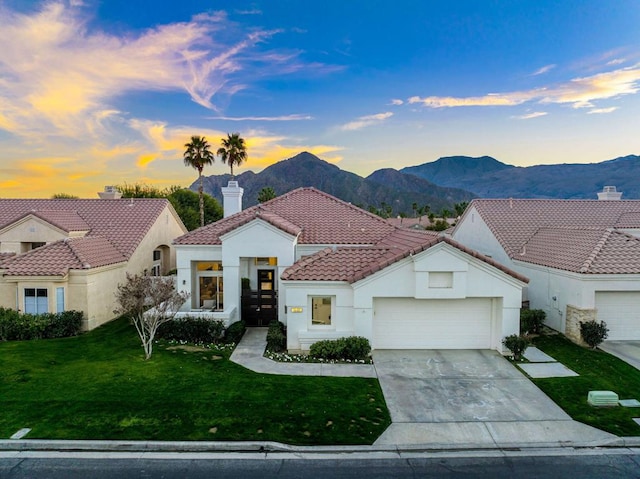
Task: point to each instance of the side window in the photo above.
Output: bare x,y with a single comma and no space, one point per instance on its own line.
321,307
59,300
36,301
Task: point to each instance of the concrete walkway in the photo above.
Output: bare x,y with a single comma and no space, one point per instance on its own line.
250,353
628,351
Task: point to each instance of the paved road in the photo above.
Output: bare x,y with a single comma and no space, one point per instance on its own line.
612,465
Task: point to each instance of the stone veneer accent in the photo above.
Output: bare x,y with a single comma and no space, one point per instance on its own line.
573,318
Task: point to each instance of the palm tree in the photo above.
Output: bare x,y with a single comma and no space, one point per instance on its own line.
233,151
197,155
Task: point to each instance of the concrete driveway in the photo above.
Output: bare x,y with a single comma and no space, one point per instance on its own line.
469,397
628,351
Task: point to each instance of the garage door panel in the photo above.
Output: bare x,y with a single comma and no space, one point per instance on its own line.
621,311
404,323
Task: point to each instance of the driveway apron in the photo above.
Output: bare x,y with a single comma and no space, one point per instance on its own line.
628,351
473,397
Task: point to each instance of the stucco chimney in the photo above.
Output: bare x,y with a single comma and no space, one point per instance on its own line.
232,195
110,193
609,193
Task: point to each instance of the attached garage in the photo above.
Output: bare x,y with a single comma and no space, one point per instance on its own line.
408,323
621,311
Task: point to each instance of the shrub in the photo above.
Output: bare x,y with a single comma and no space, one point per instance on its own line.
532,320
192,330
517,345
276,337
234,332
352,348
593,332
16,326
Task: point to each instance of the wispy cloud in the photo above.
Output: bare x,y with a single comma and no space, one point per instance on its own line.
528,116
293,117
578,92
543,70
365,121
253,11
602,110
396,101
58,74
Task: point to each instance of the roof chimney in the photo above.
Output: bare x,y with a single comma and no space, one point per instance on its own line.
232,195
609,193
110,193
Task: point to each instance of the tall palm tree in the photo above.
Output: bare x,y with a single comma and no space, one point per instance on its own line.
197,155
233,151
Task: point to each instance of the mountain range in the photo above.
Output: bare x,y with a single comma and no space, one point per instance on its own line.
439,184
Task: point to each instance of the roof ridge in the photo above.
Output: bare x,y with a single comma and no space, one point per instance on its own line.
79,256
596,250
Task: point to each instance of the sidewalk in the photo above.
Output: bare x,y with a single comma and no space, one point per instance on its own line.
250,354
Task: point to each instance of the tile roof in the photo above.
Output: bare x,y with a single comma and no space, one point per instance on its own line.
351,264
56,259
572,235
317,217
114,228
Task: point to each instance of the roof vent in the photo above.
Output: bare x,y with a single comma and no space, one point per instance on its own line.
609,193
110,193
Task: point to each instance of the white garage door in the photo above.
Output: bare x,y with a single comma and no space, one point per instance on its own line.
621,311
403,323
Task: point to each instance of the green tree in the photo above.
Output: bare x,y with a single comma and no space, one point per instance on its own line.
414,207
184,201
197,155
267,193
233,151
64,196
460,207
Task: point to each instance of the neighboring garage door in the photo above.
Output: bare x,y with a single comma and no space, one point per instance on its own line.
621,311
403,323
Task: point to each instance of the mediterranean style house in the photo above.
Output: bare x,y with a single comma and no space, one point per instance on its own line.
329,269
582,256
70,254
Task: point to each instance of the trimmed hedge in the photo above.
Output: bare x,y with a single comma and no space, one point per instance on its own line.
15,326
235,331
352,348
192,330
276,337
517,345
532,320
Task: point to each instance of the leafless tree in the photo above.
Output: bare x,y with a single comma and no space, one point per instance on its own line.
149,301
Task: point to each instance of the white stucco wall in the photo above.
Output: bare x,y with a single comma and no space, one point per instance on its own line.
407,278
473,232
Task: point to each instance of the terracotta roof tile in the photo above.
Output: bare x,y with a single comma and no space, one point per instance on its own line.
123,222
115,229
352,264
318,217
572,235
56,259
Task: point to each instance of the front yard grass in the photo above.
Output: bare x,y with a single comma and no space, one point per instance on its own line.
598,371
98,386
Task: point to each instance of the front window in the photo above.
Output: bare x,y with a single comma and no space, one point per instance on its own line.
321,310
36,301
210,285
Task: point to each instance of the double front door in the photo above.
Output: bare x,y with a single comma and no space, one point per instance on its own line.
260,307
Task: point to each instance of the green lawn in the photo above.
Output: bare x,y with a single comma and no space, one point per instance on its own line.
97,386
598,371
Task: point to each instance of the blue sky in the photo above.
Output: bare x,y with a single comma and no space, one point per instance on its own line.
107,92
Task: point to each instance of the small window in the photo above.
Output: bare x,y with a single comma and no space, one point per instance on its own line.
263,261
321,310
36,301
59,300
157,254
209,266
155,271
441,279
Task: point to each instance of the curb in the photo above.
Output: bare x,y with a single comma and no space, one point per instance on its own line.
276,447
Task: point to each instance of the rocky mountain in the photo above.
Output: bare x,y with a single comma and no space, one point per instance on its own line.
489,178
388,186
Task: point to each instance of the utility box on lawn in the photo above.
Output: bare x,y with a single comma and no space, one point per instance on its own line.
602,398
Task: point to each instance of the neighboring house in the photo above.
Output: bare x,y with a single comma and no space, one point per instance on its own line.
582,256
70,254
329,269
